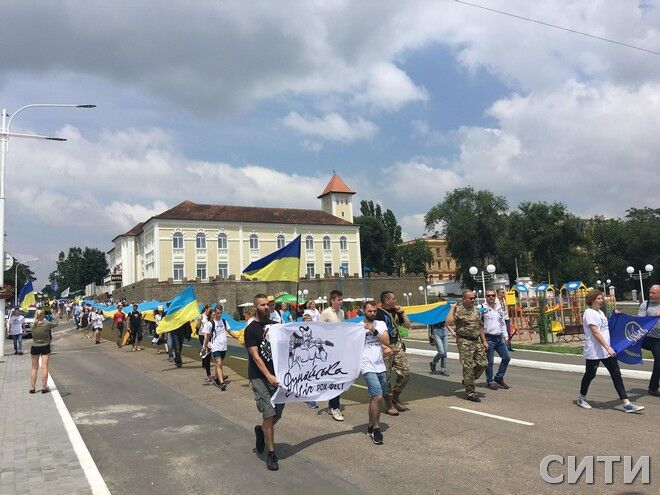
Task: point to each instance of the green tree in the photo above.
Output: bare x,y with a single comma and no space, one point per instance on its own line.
607,245
415,257
472,222
555,241
380,236
642,235
79,268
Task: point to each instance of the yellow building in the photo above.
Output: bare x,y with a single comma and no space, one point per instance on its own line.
443,266
193,241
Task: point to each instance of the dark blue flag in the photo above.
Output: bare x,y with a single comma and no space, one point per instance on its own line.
627,333
55,286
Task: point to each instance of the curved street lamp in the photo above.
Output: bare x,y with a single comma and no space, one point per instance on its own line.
483,276
5,134
425,291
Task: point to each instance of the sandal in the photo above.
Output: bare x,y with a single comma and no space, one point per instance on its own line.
31,391
45,390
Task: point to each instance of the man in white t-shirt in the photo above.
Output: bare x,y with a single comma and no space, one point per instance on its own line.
16,329
334,314
372,366
274,315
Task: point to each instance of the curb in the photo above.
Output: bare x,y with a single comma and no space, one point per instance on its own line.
544,365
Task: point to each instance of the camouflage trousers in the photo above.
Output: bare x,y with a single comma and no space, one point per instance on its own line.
397,362
473,359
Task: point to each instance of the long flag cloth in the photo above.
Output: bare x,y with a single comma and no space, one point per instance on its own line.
281,265
315,361
182,310
424,314
26,297
627,333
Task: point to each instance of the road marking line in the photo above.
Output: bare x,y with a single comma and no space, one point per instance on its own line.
94,478
544,365
494,416
236,357
359,386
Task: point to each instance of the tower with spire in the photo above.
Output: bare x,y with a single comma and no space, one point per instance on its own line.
337,198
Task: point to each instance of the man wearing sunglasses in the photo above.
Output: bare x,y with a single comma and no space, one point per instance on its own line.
470,340
497,338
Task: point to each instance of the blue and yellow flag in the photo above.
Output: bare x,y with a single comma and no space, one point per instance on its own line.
183,309
627,333
281,265
26,296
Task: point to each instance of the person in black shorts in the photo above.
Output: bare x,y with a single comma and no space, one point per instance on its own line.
262,379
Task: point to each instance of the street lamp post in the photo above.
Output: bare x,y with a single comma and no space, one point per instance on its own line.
24,262
483,276
425,291
4,144
604,284
640,276
407,295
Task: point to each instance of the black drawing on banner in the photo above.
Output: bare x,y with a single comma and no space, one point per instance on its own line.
303,347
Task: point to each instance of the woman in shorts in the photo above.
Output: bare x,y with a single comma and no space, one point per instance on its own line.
41,338
216,342
97,326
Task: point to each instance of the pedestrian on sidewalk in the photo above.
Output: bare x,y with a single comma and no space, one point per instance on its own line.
501,303
16,329
205,350
334,314
40,350
218,342
651,341
118,321
597,350
262,378
84,322
497,338
372,367
470,340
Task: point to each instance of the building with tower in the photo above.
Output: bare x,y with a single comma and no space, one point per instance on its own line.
194,241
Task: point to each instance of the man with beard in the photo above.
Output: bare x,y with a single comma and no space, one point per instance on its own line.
394,317
261,374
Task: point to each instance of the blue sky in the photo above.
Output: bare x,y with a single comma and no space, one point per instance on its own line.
216,102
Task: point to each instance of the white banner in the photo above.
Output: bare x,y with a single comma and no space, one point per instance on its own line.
315,361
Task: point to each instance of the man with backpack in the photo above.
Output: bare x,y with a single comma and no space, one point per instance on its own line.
651,341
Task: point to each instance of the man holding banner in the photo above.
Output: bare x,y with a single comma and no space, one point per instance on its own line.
652,340
261,374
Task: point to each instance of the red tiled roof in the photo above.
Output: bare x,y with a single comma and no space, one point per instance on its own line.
250,214
336,185
134,231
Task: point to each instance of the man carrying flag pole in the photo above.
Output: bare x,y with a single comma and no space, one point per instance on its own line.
182,310
26,297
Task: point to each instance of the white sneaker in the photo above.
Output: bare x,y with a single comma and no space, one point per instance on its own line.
583,403
631,408
336,414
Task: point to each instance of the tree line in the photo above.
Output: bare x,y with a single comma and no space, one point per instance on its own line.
79,267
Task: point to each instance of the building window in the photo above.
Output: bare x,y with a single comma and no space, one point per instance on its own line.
309,243
200,241
177,272
448,265
223,270
281,241
343,269
222,241
343,243
326,243
201,271
254,241
311,272
327,268
177,241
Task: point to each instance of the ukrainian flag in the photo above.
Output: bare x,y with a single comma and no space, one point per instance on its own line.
26,296
183,309
281,265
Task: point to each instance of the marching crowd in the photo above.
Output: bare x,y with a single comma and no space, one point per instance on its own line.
480,332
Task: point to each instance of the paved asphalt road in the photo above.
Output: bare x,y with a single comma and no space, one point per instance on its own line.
153,428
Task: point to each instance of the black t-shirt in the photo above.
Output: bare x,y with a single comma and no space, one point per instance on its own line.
254,337
392,321
135,319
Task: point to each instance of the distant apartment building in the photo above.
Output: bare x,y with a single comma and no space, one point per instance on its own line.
443,266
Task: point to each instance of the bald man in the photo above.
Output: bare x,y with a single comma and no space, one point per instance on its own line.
652,340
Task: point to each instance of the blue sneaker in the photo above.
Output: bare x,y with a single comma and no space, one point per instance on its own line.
632,408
